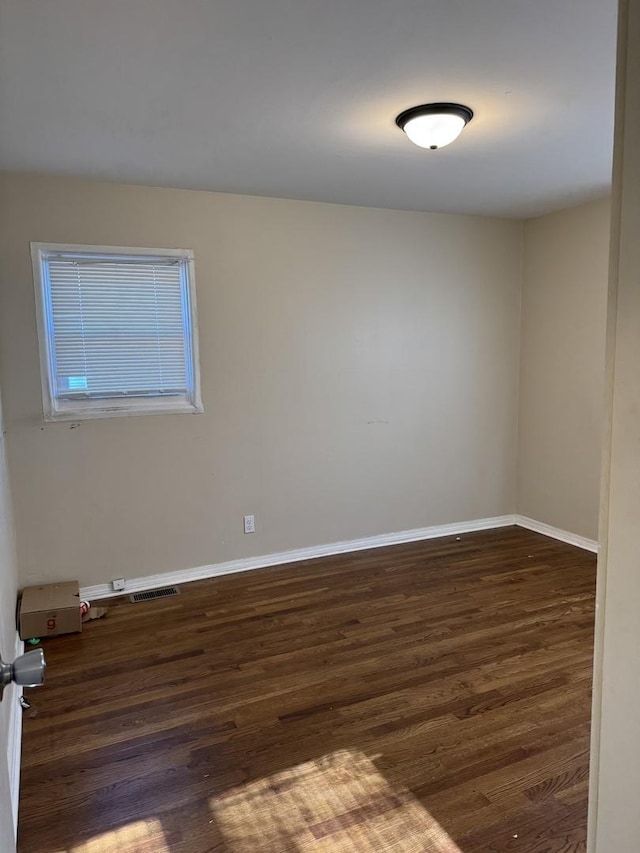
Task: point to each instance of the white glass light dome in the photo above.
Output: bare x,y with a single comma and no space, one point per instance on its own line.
434,125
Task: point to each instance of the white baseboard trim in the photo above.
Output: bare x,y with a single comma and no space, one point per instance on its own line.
14,746
556,533
247,564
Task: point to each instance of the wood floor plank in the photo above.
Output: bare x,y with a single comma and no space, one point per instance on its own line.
461,666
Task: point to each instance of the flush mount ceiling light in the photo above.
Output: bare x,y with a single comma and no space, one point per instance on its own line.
434,125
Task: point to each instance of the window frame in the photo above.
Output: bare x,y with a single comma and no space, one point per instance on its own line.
56,409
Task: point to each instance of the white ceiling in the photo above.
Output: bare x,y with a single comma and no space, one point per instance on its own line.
297,98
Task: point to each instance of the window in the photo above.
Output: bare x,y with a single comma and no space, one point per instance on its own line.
117,331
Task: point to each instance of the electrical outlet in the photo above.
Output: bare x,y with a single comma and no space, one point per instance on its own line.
118,584
249,523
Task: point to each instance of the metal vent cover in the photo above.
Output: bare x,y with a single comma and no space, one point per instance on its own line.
150,594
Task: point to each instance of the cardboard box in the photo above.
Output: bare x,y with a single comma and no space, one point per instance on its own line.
49,610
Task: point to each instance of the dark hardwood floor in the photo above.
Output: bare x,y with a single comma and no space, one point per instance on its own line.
461,666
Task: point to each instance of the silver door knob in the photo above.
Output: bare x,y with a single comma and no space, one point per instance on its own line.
27,670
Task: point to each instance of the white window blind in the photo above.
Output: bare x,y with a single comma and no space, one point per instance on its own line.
118,331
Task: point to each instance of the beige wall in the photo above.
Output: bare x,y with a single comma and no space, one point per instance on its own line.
8,591
359,376
615,756
565,270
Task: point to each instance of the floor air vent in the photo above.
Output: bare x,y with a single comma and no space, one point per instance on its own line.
150,594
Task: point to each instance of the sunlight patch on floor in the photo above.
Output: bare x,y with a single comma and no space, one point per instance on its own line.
339,803
144,836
